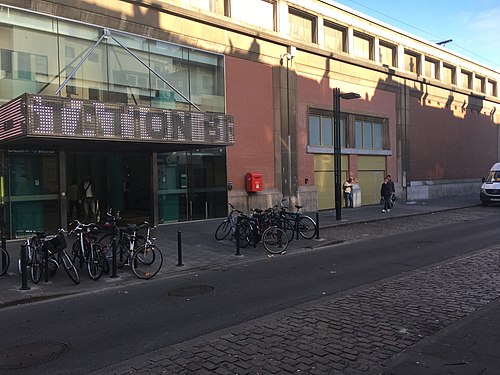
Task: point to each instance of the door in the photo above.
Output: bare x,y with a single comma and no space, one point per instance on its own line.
31,192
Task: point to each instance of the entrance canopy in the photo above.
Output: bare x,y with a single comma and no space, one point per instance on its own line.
51,118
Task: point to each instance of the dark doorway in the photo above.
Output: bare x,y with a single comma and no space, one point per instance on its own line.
122,181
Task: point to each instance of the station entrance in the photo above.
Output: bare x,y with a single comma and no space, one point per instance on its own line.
150,164
121,182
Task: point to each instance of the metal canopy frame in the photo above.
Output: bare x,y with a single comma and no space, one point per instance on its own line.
105,35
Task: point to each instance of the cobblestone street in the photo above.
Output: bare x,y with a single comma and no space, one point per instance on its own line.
351,333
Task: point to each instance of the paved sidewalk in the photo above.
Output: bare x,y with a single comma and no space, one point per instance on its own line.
440,319
359,332
200,250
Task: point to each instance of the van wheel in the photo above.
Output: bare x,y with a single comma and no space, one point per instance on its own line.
484,203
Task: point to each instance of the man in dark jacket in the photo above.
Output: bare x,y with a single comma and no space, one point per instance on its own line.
393,190
385,194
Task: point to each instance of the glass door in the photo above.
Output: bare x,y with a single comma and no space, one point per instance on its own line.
30,192
192,185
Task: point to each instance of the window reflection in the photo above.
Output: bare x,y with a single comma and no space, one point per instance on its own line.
52,49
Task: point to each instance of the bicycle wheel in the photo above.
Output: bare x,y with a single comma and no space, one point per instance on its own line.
288,225
4,261
223,230
94,265
122,245
245,233
307,227
106,242
146,261
275,240
76,252
36,266
69,267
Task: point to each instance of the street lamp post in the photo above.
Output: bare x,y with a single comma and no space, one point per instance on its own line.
337,95
288,57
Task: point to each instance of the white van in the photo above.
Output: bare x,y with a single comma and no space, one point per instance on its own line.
490,189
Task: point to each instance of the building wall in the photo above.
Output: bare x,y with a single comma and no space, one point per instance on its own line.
425,137
249,98
450,142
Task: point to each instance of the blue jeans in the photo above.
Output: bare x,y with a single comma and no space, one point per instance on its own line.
348,199
387,203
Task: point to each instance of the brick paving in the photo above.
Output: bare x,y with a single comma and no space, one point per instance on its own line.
353,333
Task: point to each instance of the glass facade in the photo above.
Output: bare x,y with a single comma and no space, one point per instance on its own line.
321,131
38,54
30,192
192,184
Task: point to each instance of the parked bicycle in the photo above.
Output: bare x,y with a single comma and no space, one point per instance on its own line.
263,226
87,250
34,255
295,222
228,225
48,253
4,261
133,249
57,255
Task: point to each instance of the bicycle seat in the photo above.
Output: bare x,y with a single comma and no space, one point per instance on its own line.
132,227
298,207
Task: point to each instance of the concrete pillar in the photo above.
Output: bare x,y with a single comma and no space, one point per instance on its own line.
376,49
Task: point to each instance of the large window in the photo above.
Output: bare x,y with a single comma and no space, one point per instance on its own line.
302,26
335,37
412,62
369,134
431,68
256,12
448,75
466,81
52,48
480,84
363,46
214,6
387,54
491,88
321,131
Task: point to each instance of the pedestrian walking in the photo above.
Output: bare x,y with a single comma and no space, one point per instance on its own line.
393,190
385,194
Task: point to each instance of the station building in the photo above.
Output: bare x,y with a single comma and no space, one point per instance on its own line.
170,106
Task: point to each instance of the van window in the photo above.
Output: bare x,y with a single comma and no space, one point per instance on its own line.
493,176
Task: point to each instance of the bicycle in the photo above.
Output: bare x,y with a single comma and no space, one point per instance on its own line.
261,227
296,223
133,249
87,250
34,255
228,225
43,253
5,261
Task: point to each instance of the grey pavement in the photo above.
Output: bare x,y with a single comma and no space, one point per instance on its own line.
441,319
200,250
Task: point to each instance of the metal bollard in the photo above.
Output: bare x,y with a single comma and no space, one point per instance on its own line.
237,234
113,258
179,249
317,225
24,272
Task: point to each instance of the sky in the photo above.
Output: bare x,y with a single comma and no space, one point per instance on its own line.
473,25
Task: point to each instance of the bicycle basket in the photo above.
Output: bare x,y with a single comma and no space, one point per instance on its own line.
56,244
